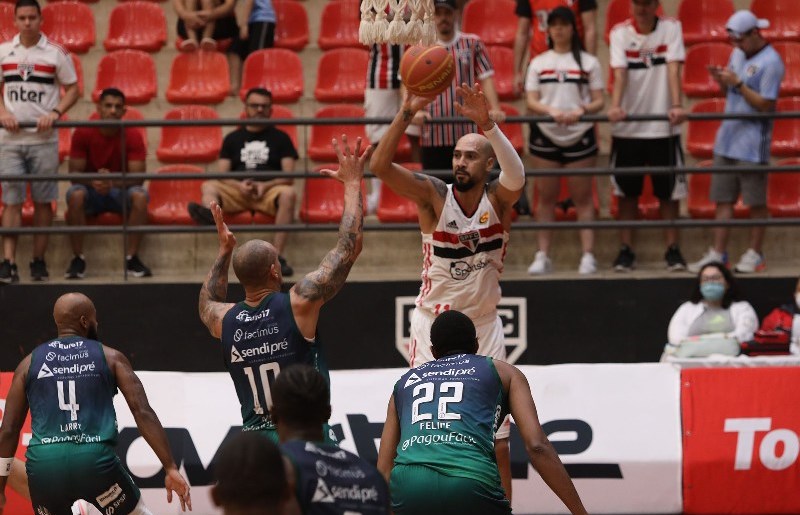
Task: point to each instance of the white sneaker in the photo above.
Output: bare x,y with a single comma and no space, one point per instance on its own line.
541,264
588,264
751,261
709,257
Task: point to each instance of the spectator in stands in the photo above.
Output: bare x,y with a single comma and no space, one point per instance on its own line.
99,150
565,83
529,10
472,65
715,318
646,56
751,83
258,31
259,149
34,69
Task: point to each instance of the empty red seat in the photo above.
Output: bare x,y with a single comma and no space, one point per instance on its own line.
783,16
790,53
76,62
7,28
512,130
69,23
136,25
394,208
696,80
783,191
786,131
648,203
704,21
320,149
698,203
190,144
339,25
619,11
277,69
565,209
700,135
342,75
131,113
169,197
199,77
291,25
64,140
131,71
323,198
502,59
492,20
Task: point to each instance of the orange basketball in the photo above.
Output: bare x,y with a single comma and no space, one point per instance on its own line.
427,70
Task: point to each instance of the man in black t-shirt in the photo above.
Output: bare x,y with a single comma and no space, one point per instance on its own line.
254,148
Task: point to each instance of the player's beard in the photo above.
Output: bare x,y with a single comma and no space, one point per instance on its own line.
463,185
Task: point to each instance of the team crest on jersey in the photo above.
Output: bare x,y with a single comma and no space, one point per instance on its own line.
25,70
412,380
470,239
484,217
562,75
751,70
235,356
44,371
322,493
647,57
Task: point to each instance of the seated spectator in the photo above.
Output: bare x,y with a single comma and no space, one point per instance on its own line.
258,31
715,320
98,150
254,148
565,83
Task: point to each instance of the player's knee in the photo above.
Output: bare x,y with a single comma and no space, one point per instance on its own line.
76,198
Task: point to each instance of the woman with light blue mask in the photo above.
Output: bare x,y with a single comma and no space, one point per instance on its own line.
714,320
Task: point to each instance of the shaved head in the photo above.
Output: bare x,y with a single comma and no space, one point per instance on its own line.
252,262
477,142
75,313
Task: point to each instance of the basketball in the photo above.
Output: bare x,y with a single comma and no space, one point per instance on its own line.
426,71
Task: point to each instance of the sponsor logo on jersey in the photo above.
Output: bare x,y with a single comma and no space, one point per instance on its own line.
81,438
44,372
240,335
50,356
235,356
265,348
470,239
484,217
460,270
70,370
451,372
412,379
436,439
66,346
324,469
107,497
325,494
245,316
322,493
452,224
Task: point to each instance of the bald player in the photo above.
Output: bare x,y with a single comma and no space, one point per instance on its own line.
69,384
270,330
465,228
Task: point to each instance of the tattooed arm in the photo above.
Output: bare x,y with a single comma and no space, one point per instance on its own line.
315,289
214,291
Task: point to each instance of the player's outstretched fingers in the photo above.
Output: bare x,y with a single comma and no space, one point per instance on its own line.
335,144
347,153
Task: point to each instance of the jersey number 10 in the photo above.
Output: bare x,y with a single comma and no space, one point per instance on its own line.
263,376
71,406
427,389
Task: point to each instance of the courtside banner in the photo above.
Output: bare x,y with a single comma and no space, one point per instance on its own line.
740,440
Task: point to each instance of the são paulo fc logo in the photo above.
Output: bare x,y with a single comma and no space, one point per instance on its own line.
25,70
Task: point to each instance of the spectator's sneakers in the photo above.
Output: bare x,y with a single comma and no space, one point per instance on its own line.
201,215
588,264
77,268
712,256
136,267
674,259
541,264
626,260
8,272
751,261
39,270
286,269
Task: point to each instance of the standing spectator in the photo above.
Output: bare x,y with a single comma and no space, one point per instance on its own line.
532,17
564,83
34,69
258,30
472,65
646,55
751,82
254,148
98,150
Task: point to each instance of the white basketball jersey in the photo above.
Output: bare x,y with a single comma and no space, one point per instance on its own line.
462,260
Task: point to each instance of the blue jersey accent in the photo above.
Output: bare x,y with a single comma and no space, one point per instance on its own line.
333,481
257,342
263,11
71,392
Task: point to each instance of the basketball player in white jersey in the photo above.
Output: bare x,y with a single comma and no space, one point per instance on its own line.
464,227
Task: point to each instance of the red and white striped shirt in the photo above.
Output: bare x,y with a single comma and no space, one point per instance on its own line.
383,70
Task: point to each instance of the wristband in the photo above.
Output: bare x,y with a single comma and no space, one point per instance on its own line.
738,87
5,466
55,110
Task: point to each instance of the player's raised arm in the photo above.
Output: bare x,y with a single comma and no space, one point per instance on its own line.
14,413
318,287
212,304
389,440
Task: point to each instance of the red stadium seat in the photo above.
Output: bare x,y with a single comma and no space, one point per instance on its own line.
790,53
393,208
698,203
277,69
7,28
130,114
564,201
492,20
168,198
138,26
291,25
69,23
200,144
64,140
783,192
199,77
696,80
502,59
783,16
704,21
76,62
648,203
320,149
700,135
619,11
131,71
339,25
512,130
342,75
323,198
786,131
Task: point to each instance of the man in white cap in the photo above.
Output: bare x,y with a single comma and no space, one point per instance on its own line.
751,82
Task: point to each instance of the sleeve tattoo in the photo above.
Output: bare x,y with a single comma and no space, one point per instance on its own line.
215,289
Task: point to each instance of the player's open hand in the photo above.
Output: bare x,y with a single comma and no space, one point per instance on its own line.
413,104
174,482
351,164
227,241
474,104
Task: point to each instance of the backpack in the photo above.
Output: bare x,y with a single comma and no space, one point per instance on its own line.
773,336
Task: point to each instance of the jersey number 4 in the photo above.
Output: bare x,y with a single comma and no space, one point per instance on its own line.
424,393
72,404
264,379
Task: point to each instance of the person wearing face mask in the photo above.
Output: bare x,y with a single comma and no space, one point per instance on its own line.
714,320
